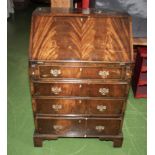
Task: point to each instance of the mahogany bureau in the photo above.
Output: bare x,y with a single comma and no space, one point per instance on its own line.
80,67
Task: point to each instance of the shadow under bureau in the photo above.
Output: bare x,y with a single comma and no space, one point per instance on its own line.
80,67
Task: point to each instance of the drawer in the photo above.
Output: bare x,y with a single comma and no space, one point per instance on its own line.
60,106
81,89
72,107
107,107
105,126
46,72
60,126
74,127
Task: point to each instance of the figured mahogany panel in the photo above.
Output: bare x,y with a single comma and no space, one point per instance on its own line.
103,126
61,126
80,38
83,90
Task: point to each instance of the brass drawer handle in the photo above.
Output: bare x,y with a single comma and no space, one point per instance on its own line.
103,74
99,128
55,72
57,107
56,90
101,108
57,127
104,91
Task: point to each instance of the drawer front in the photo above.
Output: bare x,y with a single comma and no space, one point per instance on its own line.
79,72
100,127
73,107
105,107
61,126
60,106
83,90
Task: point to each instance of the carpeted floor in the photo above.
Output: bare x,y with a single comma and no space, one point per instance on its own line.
20,118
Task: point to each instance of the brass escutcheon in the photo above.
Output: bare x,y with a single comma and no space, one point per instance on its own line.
57,107
57,127
101,108
104,91
56,90
99,128
104,74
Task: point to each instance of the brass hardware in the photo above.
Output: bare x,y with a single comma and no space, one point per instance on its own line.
56,107
40,62
80,101
85,136
55,72
56,90
80,69
128,72
99,128
33,73
103,74
33,65
79,121
80,86
104,91
57,127
101,108
122,64
81,19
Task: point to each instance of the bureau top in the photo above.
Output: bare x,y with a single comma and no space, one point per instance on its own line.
47,11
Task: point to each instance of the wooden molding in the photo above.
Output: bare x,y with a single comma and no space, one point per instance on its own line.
61,3
140,41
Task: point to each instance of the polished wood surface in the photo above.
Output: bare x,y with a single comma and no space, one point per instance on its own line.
80,72
103,126
73,70
78,126
75,107
84,90
80,67
83,37
61,126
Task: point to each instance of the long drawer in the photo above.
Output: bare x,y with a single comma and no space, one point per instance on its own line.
80,89
78,126
77,72
72,107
